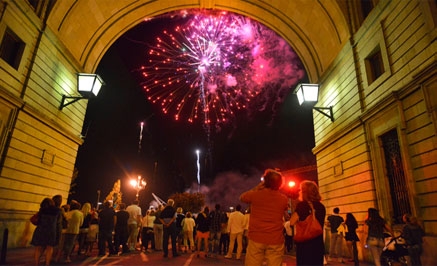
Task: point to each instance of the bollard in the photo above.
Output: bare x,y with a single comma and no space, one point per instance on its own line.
4,246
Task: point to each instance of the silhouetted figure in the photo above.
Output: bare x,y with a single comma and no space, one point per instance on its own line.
352,237
107,220
121,229
413,234
202,231
168,220
46,233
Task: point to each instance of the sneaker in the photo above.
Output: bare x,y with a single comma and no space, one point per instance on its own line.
228,257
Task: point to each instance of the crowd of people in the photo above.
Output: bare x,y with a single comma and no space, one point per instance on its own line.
264,232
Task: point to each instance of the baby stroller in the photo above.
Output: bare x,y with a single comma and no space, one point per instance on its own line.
394,251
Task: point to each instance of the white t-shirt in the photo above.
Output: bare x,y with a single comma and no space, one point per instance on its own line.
134,211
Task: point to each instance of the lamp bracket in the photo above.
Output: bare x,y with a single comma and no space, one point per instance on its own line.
74,99
326,111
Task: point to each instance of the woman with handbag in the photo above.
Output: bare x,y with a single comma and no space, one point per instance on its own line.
45,234
309,218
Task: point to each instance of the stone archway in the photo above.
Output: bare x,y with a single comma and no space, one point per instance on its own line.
89,28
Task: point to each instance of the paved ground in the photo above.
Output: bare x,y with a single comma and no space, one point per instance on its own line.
24,256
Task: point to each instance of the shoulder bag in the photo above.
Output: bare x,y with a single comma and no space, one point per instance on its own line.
309,228
35,218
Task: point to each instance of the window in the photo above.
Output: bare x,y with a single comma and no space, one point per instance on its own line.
34,3
11,49
396,175
363,9
38,6
366,7
374,66
433,9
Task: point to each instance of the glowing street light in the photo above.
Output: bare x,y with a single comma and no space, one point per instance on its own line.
139,185
309,93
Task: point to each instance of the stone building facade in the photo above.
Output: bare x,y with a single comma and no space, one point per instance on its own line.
375,62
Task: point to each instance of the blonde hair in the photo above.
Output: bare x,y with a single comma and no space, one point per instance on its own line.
86,208
309,191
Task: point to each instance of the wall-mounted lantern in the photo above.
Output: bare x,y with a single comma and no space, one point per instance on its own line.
88,85
309,93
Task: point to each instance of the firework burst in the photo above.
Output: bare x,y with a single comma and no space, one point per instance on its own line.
213,64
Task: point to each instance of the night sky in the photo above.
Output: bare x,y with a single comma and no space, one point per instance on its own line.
231,161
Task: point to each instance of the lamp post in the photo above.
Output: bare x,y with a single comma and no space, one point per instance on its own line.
138,184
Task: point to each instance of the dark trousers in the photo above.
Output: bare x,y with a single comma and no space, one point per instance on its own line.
105,238
288,243
169,232
224,243
120,238
147,236
414,251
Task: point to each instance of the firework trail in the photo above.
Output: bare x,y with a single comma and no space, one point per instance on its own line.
141,137
198,168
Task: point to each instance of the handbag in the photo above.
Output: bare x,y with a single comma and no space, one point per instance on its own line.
309,228
34,219
342,230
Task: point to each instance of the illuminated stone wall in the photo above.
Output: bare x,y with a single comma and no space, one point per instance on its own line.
351,164
39,142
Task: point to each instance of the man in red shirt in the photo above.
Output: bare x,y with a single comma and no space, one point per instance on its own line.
267,210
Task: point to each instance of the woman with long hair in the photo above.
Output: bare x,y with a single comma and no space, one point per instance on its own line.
310,252
352,237
375,237
45,235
